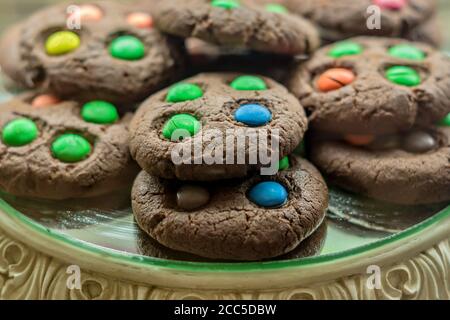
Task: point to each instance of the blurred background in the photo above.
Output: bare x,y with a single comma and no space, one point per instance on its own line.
14,10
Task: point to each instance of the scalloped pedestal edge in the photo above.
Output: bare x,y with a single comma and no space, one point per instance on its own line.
32,268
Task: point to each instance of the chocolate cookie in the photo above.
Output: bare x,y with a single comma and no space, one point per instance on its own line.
411,168
373,86
216,126
101,51
56,150
233,23
258,218
309,247
339,20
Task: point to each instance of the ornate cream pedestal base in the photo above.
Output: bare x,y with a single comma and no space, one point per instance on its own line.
38,264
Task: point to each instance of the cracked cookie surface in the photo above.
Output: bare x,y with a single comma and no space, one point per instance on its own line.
404,175
224,109
230,226
110,54
54,152
381,86
237,24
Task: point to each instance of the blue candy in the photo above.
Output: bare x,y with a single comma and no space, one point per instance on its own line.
268,194
253,115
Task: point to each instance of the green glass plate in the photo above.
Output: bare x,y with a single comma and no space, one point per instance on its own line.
110,229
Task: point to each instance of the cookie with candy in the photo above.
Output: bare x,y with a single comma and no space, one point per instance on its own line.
238,24
414,20
257,218
219,125
56,149
373,86
103,50
410,168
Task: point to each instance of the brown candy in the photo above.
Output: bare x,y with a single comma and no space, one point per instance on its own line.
419,141
190,197
334,79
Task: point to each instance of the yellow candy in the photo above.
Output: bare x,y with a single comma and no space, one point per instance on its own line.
62,42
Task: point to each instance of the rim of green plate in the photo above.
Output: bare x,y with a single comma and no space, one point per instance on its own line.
221,267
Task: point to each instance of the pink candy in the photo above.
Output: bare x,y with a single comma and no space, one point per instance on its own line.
390,4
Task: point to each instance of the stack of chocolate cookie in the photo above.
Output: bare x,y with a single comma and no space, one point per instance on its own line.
209,203
379,116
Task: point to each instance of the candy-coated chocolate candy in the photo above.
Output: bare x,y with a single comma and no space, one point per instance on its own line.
248,83
127,48
385,142
446,121
140,20
359,140
419,141
45,100
226,4
390,4
284,164
185,122
334,79
345,48
406,51
403,75
268,194
276,8
184,92
89,12
19,132
191,197
253,115
99,112
71,148
62,42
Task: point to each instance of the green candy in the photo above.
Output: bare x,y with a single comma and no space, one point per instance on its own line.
19,132
99,112
248,83
276,8
446,121
71,148
284,164
402,75
345,48
225,4
127,48
62,42
184,92
181,122
406,51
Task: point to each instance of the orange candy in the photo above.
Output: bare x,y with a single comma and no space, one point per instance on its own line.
334,79
45,100
140,20
89,12
359,140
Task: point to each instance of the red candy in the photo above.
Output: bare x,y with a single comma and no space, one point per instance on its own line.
140,20
390,4
334,79
44,100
